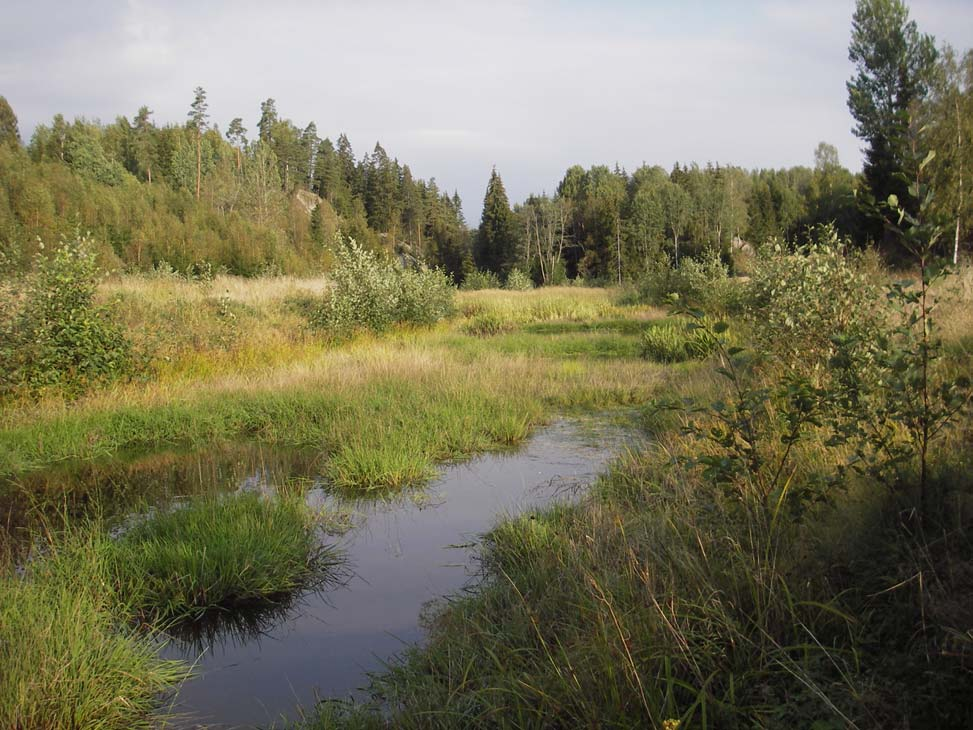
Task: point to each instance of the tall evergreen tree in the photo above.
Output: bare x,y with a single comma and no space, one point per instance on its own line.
9,132
893,65
309,150
144,143
495,248
198,116
268,118
236,134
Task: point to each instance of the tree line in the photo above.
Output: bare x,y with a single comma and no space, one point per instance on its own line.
189,194
913,109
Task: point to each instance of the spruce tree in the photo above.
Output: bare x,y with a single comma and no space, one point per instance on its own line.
893,63
9,132
268,118
496,243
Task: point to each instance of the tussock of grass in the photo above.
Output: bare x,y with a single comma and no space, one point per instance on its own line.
672,341
70,654
378,466
219,553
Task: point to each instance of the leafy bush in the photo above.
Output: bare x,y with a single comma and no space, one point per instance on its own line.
53,334
517,280
801,301
425,296
476,280
371,294
671,341
705,284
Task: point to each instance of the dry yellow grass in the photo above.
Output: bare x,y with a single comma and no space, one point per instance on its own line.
254,292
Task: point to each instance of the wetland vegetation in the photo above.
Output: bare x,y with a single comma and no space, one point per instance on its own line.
274,383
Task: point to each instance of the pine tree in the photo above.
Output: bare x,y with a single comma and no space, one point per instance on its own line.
236,134
495,248
198,115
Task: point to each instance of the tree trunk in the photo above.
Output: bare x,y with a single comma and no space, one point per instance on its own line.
199,162
618,248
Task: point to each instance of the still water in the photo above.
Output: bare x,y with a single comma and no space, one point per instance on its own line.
401,554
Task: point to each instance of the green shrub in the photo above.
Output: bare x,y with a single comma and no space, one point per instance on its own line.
676,341
800,301
371,294
476,280
705,284
53,335
517,280
425,296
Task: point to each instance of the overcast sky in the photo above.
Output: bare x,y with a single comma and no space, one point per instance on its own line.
452,88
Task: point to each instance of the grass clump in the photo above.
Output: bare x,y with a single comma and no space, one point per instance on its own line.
68,658
676,341
488,323
219,553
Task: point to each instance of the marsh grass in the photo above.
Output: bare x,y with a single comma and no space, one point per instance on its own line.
671,341
69,658
219,553
435,393
80,625
660,598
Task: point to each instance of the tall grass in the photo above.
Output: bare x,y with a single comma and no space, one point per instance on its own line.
219,552
663,600
417,391
69,659
78,627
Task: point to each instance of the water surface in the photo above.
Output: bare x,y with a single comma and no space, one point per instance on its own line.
403,552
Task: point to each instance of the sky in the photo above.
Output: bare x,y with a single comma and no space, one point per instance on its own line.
455,88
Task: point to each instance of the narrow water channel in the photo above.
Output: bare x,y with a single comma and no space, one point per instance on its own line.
401,554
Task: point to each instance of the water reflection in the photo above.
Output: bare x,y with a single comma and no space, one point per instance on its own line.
403,553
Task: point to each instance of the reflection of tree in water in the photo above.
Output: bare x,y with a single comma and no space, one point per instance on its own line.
247,622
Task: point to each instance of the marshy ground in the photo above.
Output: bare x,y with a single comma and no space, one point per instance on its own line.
653,596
